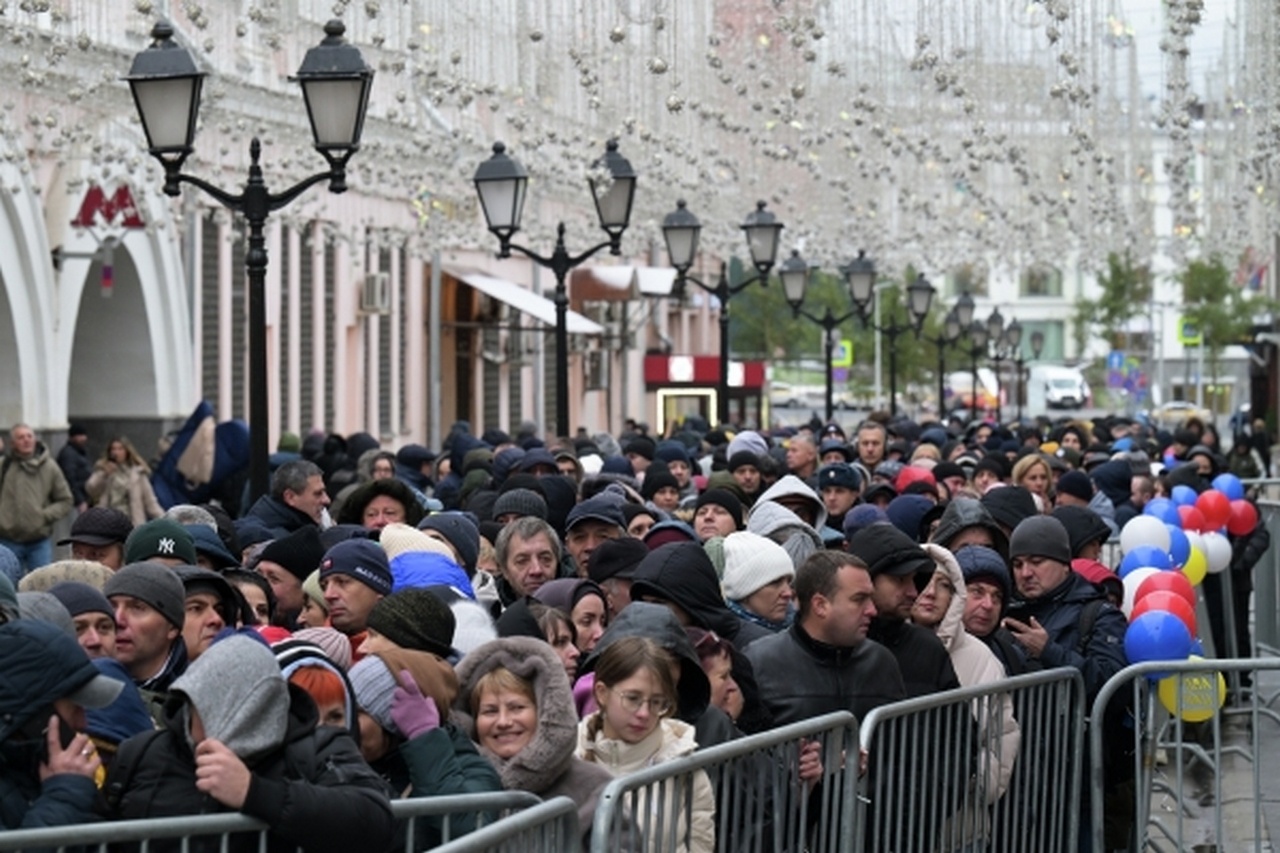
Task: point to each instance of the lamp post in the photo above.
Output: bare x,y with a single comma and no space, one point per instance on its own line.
951,329
995,341
501,183
1012,348
335,84
795,281
680,231
977,347
919,298
1037,343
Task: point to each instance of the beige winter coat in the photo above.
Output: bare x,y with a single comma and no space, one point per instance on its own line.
695,828
999,735
33,496
127,488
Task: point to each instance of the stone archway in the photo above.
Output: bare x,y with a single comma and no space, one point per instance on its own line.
26,303
125,359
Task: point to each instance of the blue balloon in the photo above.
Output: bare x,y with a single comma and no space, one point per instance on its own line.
1156,635
1184,495
1229,485
1146,557
1163,509
1179,545
1197,648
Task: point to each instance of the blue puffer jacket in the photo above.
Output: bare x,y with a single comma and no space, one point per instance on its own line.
38,664
1058,612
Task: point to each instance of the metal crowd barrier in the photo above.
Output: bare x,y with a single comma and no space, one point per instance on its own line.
942,775
759,803
1266,586
216,831
550,827
1197,769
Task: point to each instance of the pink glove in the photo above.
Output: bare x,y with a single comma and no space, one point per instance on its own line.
413,713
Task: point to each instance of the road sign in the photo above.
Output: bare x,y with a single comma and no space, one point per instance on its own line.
842,353
1189,332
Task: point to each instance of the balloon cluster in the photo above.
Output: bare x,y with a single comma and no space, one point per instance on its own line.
1168,551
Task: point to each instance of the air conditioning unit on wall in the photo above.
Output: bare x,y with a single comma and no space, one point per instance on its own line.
375,294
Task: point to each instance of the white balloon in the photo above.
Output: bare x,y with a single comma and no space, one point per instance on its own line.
1132,581
1217,551
1196,540
1144,530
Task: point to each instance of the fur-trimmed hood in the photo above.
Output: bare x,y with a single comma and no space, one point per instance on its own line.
952,624
546,758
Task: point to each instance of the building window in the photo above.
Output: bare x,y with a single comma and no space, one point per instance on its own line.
967,278
1041,280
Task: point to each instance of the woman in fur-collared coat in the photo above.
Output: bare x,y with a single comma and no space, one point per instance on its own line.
515,701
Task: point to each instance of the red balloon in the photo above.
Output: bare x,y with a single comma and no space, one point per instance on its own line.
1192,518
1175,582
1170,602
1243,518
1215,508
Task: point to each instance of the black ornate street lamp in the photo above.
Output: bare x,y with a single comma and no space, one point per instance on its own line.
680,231
1012,348
795,282
919,297
1037,342
977,347
502,183
335,84
951,330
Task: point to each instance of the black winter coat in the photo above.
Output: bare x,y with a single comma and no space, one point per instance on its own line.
800,677
277,516
315,790
922,659
1058,612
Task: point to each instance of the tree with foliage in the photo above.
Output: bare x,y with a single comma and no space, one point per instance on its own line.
1126,293
762,324
1221,310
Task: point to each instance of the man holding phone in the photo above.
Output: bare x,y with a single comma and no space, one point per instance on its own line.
47,765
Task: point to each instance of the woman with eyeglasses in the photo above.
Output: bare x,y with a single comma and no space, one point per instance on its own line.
635,692
514,700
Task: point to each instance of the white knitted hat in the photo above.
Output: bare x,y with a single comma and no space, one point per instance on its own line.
752,561
397,539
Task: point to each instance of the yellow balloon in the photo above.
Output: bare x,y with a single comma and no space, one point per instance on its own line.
1202,694
1196,566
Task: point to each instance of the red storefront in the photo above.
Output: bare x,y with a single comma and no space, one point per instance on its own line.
683,385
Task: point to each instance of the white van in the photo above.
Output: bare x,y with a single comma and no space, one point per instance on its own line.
1052,386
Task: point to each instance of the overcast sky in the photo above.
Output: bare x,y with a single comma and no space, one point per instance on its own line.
1146,17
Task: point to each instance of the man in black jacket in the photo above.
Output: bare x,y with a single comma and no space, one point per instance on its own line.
241,738
73,459
824,661
899,569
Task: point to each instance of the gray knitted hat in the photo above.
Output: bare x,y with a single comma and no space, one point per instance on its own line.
1041,536
522,502
154,584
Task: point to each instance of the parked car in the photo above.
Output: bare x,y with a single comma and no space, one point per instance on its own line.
784,395
1175,413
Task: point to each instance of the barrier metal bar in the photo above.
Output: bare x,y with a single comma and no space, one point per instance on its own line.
550,827
1266,585
1196,768
941,776
760,805
91,836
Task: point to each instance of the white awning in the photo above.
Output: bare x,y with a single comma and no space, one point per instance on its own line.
599,283
655,281
522,299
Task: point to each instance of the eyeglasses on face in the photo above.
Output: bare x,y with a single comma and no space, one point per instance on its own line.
633,702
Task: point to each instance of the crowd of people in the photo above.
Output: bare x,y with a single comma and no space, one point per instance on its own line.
515,614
